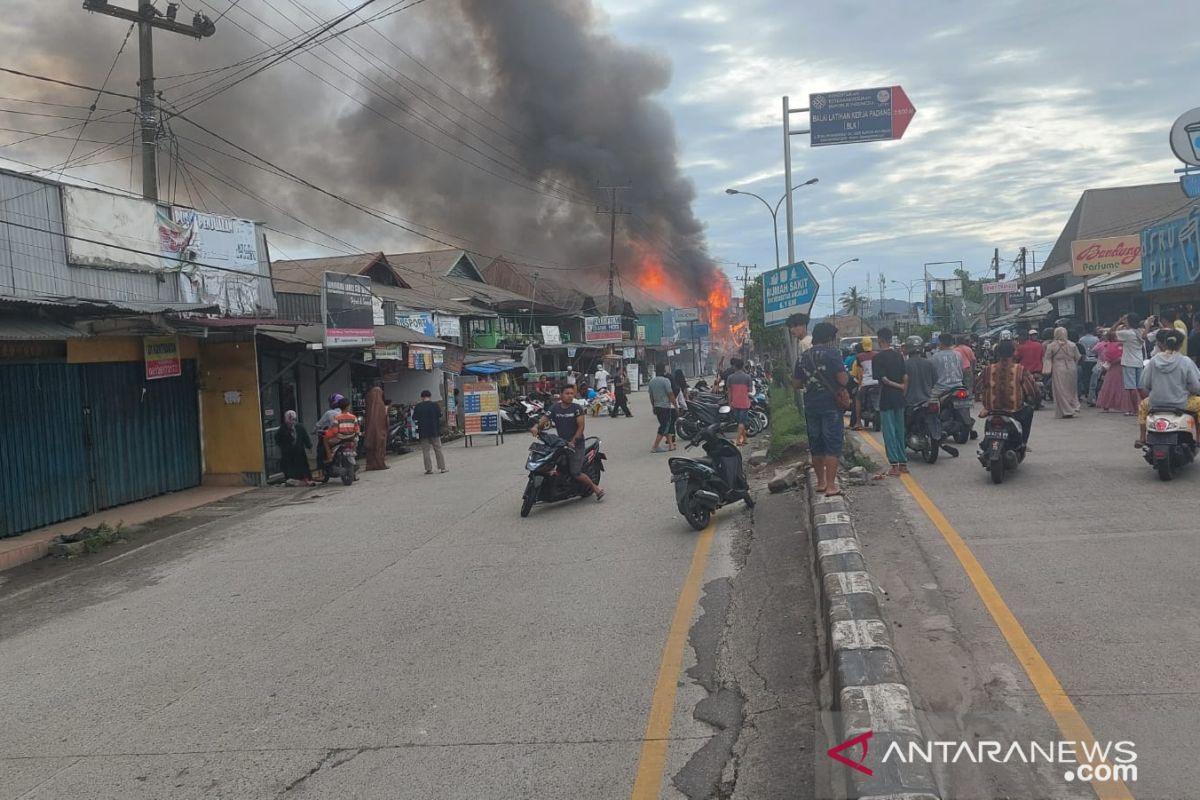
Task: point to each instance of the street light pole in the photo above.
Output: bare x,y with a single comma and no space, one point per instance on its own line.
774,210
833,280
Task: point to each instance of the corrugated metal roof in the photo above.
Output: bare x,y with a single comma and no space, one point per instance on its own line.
39,330
305,275
87,304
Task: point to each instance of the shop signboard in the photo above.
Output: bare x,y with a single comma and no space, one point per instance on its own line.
218,260
641,333
481,409
419,321
551,334
635,378
1091,257
452,359
347,310
602,329
1171,253
389,352
1066,306
686,314
162,357
449,326
1001,287
627,352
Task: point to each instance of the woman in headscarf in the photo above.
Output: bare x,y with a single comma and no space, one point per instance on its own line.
1063,355
294,444
377,428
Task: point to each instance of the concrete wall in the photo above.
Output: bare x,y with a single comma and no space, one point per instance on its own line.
231,432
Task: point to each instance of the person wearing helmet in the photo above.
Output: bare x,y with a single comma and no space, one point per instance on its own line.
327,420
922,377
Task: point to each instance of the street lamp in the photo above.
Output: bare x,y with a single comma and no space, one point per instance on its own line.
832,278
774,209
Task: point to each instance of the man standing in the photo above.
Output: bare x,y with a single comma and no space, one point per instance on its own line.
888,369
568,420
428,416
662,401
1030,353
1129,334
821,373
948,366
1087,366
738,386
601,377
1008,387
922,377
572,375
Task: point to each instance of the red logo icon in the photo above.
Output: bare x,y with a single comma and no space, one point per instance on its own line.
835,752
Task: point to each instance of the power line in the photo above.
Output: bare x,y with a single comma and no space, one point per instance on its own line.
99,93
232,6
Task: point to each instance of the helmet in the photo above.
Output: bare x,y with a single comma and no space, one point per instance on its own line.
867,344
1005,335
914,344
335,399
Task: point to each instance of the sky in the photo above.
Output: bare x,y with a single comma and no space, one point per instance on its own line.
1021,106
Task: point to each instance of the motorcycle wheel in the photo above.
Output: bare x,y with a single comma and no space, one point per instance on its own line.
697,516
929,450
347,475
1165,472
997,470
685,428
527,501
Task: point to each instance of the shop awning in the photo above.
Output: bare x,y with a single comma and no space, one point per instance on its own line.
492,367
1122,282
36,330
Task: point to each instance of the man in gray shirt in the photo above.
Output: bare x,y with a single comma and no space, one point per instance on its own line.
662,399
948,364
1088,365
922,377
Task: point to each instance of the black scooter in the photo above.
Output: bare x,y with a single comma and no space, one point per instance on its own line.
702,485
1003,447
549,479
957,422
919,433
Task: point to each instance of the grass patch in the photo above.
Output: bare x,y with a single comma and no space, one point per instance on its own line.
852,456
789,433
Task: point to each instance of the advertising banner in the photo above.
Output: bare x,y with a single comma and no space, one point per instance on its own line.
449,326
419,321
551,334
1171,253
389,352
602,329
481,409
162,357
347,311
1001,287
128,224
1091,257
217,258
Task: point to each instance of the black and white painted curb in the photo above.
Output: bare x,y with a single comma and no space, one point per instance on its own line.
869,691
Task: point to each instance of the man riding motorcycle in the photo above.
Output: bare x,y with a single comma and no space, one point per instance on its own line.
569,420
1009,388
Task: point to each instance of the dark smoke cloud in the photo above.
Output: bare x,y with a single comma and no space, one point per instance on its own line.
578,110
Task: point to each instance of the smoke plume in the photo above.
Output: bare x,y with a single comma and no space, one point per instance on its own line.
495,138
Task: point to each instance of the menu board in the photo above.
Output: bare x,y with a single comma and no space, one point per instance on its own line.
481,409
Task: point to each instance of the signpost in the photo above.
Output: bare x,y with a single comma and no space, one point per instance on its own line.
786,291
602,329
859,115
346,309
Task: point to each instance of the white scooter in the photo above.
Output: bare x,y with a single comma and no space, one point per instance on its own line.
1170,440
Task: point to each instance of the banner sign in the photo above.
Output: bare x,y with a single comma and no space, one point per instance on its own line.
1001,287
1171,253
551,334
481,408
449,326
347,310
217,259
687,314
1090,257
162,357
389,352
419,321
602,329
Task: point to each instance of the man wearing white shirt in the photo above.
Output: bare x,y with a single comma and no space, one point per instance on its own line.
601,378
1133,356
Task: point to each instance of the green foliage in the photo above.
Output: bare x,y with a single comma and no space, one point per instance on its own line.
852,302
788,429
972,290
771,340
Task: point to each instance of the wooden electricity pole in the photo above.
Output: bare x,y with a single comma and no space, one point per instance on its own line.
612,241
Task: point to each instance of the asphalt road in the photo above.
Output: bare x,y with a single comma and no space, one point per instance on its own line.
406,637
1095,557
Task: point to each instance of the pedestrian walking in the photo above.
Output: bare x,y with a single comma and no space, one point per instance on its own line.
737,387
888,368
294,443
377,429
680,385
428,416
1087,363
621,394
662,401
823,377
1063,355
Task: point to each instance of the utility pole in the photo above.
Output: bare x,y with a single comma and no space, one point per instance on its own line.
1023,297
612,242
148,18
882,284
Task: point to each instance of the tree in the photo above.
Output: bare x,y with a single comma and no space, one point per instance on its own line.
972,290
771,339
852,302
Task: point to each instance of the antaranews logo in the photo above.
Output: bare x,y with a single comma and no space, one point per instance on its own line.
1103,762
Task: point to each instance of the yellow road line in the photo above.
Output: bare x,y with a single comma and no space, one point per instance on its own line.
662,706
1054,697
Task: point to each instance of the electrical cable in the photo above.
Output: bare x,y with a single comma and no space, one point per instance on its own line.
99,93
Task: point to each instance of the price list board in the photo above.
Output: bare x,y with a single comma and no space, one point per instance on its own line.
481,411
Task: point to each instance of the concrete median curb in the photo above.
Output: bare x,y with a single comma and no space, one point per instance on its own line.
869,690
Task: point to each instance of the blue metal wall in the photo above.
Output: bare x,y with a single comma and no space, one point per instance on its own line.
43,469
82,438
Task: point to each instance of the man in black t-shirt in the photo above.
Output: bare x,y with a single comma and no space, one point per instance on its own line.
888,368
568,420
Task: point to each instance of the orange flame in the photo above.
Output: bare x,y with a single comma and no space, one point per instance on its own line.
652,278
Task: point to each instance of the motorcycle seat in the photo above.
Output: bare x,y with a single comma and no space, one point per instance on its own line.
1168,410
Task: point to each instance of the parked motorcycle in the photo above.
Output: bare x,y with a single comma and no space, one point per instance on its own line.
549,478
1170,440
1002,448
702,485
957,422
868,409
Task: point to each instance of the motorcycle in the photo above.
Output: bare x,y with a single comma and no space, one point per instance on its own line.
868,408
1002,448
549,479
701,414
344,463
517,416
702,485
919,434
1170,440
957,422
